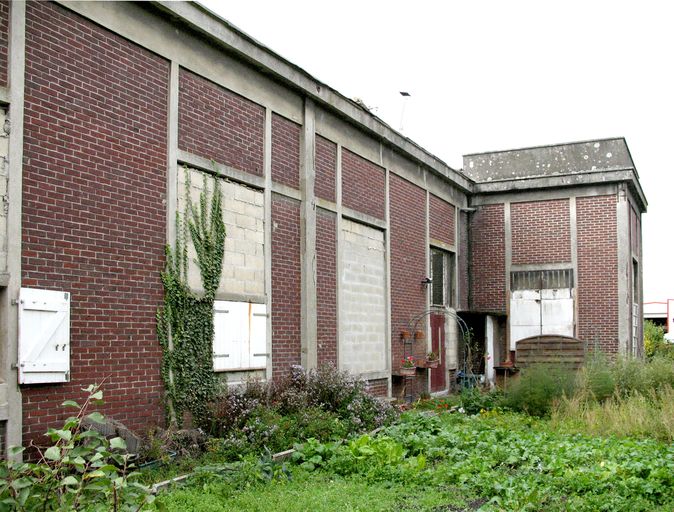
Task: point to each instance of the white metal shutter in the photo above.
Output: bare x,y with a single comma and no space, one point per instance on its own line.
44,336
230,339
258,336
557,312
525,315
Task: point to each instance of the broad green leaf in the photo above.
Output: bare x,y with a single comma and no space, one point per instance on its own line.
96,417
98,395
70,480
71,403
52,453
21,483
66,435
117,443
94,474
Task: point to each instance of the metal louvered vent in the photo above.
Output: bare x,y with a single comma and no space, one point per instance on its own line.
541,279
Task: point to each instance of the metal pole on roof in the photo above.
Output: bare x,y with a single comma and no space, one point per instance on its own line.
405,95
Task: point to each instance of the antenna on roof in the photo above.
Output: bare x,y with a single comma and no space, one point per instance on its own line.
405,95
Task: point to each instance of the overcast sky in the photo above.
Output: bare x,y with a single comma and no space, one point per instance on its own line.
498,75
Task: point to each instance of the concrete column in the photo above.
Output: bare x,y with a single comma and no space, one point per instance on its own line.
490,333
308,238
387,263
172,157
340,255
508,238
429,334
268,228
8,311
624,272
573,234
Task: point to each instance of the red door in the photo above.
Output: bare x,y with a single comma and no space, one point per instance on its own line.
438,375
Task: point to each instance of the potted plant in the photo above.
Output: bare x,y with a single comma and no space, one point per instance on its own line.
419,335
408,366
432,360
404,335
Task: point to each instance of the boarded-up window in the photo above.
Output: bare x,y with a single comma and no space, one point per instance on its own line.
362,318
541,302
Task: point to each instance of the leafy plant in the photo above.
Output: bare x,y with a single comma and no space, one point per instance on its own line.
185,321
80,470
408,362
538,387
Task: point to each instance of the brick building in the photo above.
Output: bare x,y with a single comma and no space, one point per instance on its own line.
335,222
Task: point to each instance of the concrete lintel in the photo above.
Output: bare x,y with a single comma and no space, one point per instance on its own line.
441,245
541,266
375,375
219,169
285,190
326,205
606,189
364,218
241,297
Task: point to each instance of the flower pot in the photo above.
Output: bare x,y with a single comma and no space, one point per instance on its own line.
433,363
419,335
404,335
408,372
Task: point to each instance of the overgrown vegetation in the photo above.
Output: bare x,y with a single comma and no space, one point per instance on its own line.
324,404
491,461
81,470
185,321
655,344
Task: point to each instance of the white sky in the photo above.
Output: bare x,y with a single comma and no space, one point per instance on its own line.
489,75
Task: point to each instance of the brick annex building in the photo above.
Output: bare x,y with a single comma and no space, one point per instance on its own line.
334,220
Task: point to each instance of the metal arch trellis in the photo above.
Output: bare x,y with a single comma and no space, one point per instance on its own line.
469,378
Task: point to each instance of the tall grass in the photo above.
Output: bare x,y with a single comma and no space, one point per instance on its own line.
625,397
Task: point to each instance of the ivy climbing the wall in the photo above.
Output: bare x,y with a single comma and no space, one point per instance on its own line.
185,321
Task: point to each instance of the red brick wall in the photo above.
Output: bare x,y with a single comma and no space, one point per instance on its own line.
377,387
464,252
285,284
285,151
363,185
326,164
408,264
487,259
218,124
93,220
597,272
4,40
441,220
326,285
540,232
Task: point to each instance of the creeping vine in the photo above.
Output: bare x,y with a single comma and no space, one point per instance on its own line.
185,320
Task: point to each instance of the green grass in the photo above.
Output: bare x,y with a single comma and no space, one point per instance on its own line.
450,462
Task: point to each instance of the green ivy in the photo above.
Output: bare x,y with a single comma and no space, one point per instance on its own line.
185,321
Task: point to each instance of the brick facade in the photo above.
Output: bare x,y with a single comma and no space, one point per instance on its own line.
326,167
597,290
408,264
487,259
326,285
94,224
540,232
285,151
219,125
378,387
4,41
441,220
363,185
285,284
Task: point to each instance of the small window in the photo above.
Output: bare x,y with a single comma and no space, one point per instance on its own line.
442,276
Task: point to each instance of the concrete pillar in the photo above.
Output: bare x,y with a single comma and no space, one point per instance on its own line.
624,272
8,310
490,340
508,242
308,238
573,235
268,228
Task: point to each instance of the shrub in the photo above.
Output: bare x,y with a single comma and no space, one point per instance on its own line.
655,344
538,387
80,469
322,403
474,400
